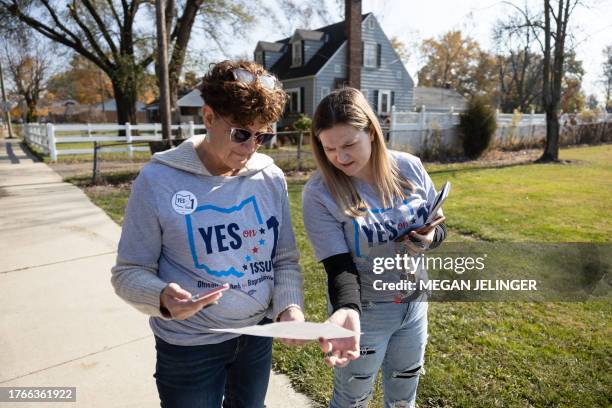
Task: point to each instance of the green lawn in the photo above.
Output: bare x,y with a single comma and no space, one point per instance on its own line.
488,354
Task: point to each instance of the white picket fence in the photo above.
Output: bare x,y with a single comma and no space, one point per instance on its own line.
412,130
423,120
47,137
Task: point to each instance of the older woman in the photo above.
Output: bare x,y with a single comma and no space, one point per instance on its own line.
212,216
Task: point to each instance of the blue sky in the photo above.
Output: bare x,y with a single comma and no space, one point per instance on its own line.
413,21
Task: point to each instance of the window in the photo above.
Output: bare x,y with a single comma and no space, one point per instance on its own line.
294,102
398,75
370,57
324,91
297,53
371,24
259,57
337,68
384,102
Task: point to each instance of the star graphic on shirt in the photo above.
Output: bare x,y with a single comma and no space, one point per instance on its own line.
255,249
262,231
247,258
244,267
262,241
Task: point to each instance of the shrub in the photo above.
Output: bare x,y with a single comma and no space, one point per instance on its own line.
477,126
302,123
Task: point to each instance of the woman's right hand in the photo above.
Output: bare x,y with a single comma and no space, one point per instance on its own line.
339,352
178,301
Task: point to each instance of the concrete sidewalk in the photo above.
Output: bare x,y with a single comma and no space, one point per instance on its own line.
61,322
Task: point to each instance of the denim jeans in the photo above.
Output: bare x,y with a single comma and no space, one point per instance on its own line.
201,376
394,337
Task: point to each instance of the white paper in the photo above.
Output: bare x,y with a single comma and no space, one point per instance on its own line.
294,330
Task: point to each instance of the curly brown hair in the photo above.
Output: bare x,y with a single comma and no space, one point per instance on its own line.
243,103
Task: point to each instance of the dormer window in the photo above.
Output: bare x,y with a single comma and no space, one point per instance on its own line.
296,54
259,57
371,24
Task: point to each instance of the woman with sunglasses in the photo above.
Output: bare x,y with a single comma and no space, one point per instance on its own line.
358,209
207,243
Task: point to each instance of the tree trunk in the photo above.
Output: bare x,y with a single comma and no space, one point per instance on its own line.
30,109
126,105
551,148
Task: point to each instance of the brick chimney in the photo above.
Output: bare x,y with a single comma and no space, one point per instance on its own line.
352,17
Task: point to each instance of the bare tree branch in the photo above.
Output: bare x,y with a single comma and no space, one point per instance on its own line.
113,10
94,13
90,37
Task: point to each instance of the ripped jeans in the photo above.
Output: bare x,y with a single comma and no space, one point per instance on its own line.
394,336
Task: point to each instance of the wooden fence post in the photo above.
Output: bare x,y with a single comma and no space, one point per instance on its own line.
51,141
299,151
128,138
422,123
191,129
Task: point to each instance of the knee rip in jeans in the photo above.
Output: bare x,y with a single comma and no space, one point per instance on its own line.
400,404
361,377
410,373
362,402
365,351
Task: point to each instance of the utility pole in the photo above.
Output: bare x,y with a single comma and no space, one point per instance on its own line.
6,107
102,93
162,61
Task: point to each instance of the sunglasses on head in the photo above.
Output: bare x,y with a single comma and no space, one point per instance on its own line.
266,80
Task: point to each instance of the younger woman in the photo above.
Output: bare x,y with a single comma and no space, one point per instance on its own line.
356,208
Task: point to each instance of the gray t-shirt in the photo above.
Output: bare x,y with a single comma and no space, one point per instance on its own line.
371,236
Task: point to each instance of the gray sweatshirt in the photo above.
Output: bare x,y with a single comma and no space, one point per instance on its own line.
372,235
184,225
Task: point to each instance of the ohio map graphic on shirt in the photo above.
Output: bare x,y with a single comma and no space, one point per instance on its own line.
236,241
381,226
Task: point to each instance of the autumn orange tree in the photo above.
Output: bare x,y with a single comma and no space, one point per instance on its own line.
457,61
83,82
573,98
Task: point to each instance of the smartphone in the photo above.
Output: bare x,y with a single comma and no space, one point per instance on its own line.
213,292
422,230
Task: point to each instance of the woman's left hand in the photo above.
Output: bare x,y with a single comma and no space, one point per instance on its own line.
292,314
424,241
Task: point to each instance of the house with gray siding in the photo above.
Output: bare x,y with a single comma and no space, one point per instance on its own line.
312,63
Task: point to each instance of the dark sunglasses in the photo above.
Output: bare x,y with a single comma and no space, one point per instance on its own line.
239,135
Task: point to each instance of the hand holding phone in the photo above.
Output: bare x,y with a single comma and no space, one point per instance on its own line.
200,296
425,229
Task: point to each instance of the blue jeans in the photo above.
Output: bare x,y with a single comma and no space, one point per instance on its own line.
200,376
394,336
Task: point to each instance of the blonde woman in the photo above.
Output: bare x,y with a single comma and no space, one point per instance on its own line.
356,208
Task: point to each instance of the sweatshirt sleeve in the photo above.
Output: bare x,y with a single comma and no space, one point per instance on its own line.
288,279
135,274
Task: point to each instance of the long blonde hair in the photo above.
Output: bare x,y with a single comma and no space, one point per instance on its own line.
348,106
